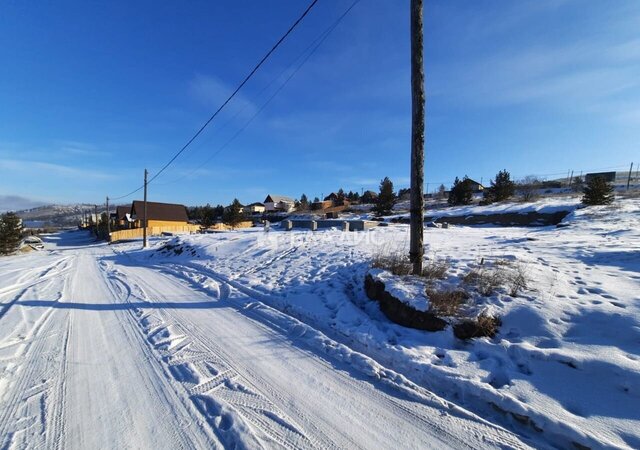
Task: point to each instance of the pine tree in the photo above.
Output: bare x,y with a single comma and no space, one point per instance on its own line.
461,192
233,213
441,191
386,198
578,183
340,194
304,203
598,191
103,229
207,216
369,197
316,200
10,233
502,188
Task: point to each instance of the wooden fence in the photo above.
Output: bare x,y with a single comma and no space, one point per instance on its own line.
225,227
136,233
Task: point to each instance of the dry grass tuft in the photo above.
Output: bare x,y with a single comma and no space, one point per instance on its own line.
446,303
396,262
482,326
436,269
518,279
503,274
485,280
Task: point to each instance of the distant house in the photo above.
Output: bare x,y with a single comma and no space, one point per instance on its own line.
336,200
276,203
159,214
122,216
475,186
333,197
607,176
325,204
254,208
331,202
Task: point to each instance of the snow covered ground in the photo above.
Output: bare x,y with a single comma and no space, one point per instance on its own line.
111,347
566,361
267,339
546,205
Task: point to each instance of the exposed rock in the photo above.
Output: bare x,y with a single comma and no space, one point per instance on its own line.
400,312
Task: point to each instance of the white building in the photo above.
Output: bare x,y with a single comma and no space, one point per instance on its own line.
254,208
278,203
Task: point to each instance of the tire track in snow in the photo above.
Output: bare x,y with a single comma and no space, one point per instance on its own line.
183,434
206,340
346,380
36,384
422,394
259,412
51,271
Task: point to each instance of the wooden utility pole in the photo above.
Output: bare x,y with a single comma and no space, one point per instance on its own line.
95,209
416,250
144,230
629,179
108,220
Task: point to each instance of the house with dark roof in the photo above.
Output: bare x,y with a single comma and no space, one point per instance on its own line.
122,217
254,208
159,214
336,200
607,176
475,186
278,203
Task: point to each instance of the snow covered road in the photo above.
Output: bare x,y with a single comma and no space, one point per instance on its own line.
98,351
75,374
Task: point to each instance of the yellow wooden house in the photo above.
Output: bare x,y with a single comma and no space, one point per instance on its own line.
159,214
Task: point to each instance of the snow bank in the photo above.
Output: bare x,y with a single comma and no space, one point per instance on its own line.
545,206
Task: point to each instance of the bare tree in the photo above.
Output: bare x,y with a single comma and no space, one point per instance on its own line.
528,188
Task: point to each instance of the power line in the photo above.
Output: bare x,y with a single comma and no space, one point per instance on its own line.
258,95
316,43
127,195
233,94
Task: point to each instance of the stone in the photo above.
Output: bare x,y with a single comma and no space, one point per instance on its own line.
400,312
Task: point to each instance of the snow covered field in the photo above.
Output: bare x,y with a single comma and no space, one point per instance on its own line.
258,339
106,350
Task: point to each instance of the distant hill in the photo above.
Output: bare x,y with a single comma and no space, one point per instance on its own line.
55,215
17,203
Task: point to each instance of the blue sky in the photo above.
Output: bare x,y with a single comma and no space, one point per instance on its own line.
94,92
